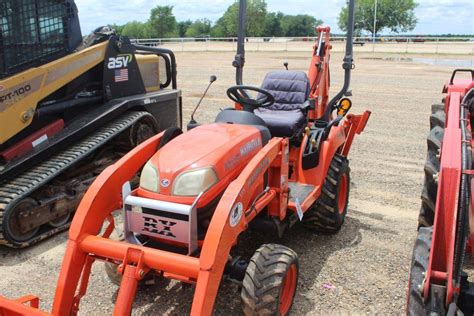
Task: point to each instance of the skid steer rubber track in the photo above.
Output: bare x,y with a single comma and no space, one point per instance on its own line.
20,187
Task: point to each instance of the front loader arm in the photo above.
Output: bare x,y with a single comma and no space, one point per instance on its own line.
100,200
232,216
104,196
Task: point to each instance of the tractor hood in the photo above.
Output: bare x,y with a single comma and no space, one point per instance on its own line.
219,149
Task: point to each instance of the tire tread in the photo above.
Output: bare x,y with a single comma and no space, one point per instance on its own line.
263,279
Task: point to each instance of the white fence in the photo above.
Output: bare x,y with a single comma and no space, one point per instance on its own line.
418,45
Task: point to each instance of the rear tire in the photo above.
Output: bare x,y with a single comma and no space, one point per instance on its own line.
419,265
430,187
328,213
270,281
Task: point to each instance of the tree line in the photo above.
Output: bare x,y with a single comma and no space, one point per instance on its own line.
260,23
396,16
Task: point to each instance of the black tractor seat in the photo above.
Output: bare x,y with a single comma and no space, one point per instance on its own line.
283,123
287,116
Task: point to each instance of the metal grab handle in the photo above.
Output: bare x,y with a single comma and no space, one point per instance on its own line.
461,70
165,53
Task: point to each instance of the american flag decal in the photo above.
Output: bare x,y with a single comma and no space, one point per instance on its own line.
121,75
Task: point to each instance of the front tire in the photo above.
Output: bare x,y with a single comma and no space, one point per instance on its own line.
117,234
328,213
270,281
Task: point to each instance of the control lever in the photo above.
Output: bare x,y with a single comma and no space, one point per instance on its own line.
192,123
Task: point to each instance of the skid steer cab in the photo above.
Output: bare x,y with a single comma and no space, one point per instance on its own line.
278,157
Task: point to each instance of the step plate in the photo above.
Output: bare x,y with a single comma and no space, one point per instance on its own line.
300,191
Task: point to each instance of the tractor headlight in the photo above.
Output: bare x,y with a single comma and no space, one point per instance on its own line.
191,183
149,179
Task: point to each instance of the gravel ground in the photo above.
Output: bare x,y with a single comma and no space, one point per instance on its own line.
362,269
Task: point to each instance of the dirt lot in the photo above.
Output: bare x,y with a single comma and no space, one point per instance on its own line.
362,269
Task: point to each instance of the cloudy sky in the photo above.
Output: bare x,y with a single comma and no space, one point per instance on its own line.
434,16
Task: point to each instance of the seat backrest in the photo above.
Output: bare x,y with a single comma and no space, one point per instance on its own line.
289,88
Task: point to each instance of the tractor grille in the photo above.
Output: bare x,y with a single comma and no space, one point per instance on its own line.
33,32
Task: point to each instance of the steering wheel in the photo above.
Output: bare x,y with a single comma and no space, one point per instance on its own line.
238,94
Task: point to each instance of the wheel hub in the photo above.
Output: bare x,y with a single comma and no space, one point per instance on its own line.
342,194
288,290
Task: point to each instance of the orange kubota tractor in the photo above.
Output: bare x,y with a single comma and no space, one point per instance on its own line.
273,160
